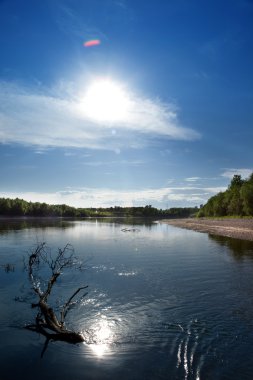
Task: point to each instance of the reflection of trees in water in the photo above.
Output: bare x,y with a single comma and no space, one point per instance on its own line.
7,225
239,248
133,221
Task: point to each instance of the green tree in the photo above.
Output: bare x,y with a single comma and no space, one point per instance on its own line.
246,194
219,205
19,207
236,181
236,200
5,206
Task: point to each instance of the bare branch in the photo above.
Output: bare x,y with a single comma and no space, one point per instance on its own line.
46,318
50,285
67,305
64,259
33,263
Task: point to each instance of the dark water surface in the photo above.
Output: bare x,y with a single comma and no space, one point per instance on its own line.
163,303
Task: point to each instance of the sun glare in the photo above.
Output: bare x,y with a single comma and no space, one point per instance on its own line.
101,337
106,100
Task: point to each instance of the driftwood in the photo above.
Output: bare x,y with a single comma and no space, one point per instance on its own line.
130,230
46,322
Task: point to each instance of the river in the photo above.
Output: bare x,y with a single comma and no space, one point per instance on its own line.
162,303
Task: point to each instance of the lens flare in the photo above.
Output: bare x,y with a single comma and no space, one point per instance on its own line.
91,43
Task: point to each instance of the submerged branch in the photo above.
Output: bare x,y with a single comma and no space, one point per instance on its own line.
46,318
67,305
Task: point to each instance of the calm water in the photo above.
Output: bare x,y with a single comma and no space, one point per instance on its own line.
163,303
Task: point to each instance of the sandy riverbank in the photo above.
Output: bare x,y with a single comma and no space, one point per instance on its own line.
235,228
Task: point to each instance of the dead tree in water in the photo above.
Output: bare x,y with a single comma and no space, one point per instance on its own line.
47,323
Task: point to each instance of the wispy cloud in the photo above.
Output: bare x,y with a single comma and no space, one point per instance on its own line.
69,154
71,23
52,119
215,190
229,173
113,163
121,3
192,179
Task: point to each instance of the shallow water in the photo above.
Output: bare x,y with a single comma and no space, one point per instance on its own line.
162,303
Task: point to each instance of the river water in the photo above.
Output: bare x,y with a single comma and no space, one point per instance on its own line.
162,303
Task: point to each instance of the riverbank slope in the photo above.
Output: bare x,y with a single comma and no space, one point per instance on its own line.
235,228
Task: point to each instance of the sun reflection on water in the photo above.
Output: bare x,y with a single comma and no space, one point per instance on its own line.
100,337
99,349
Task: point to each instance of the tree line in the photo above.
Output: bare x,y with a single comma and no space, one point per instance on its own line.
237,200
20,207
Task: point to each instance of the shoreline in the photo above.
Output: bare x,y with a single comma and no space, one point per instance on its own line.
234,228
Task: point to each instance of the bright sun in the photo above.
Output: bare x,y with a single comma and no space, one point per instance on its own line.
106,100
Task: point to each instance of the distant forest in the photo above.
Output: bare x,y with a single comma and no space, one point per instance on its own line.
237,200
20,207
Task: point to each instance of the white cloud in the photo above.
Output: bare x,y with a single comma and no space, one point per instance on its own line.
192,179
215,190
93,197
111,163
57,119
229,173
69,154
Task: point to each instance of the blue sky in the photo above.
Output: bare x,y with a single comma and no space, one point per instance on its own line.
160,112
